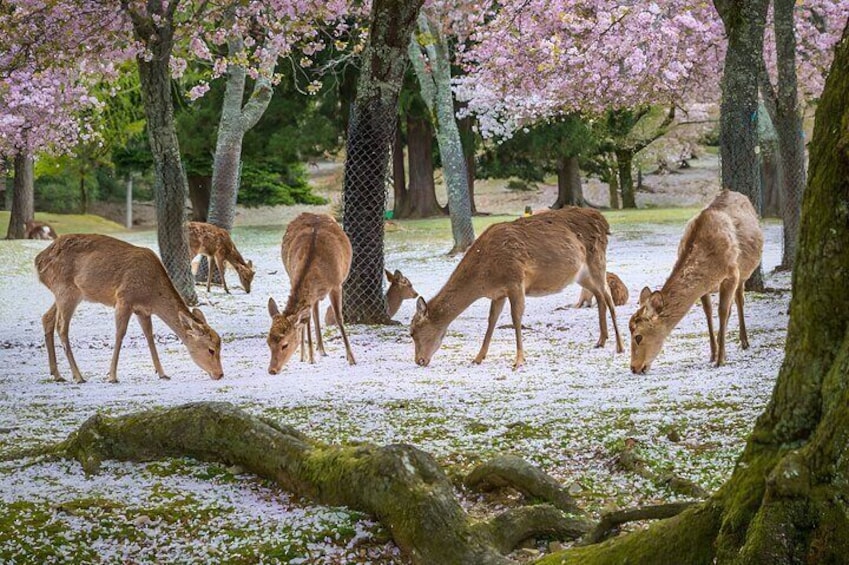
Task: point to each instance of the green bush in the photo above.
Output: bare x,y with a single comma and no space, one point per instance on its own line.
263,187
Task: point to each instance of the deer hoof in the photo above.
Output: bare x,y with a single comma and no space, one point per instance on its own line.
477,360
164,378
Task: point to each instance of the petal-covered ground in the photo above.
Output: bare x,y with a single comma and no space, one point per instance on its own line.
569,409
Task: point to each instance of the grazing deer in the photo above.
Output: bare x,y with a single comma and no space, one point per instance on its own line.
98,268
215,244
400,289
39,230
317,256
721,248
618,291
531,256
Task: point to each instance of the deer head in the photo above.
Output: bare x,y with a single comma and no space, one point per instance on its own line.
203,343
403,285
648,331
427,335
285,334
246,275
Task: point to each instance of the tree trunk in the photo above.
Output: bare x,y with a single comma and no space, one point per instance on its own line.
370,134
83,194
613,186
624,167
770,177
170,185
744,22
467,136
421,193
23,197
435,82
199,191
399,178
788,126
569,189
236,120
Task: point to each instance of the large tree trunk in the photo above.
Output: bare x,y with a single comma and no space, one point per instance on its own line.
421,192
23,197
569,189
624,167
170,185
370,134
744,22
788,126
435,83
467,136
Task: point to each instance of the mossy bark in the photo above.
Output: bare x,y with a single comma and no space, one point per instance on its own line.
23,207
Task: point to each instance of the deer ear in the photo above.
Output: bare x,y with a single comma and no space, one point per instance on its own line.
388,275
421,306
185,320
199,315
250,265
645,294
304,315
272,307
656,301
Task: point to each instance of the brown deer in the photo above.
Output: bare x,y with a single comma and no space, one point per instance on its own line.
536,255
400,289
39,230
317,256
721,248
215,244
98,268
618,291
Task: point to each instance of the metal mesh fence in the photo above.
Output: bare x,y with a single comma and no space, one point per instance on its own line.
366,187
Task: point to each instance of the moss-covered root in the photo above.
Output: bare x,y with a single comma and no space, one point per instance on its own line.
515,472
610,522
514,526
685,538
401,486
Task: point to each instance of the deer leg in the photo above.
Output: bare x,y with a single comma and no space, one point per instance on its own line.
608,298
517,310
726,295
601,301
122,318
64,312
219,262
209,262
319,343
308,330
744,337
336,304
303,344
495,308
147,329
49,323
706,306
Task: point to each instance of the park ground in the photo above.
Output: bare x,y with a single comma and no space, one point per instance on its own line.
570,409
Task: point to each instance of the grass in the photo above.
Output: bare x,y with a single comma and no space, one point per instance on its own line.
70,223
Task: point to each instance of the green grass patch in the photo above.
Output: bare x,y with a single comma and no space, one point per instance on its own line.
70,223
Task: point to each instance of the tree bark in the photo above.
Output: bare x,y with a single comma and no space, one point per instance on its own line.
399,178
788,126
467,137
435,82
613,188
23,197
236,120
744,22
200,187
370,134
569,189
170,185
624,167
421,193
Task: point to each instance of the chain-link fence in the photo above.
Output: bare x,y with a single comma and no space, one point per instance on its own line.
366,187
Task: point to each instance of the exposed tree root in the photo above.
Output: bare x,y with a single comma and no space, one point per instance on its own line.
630,460
514,526
515,472
610,522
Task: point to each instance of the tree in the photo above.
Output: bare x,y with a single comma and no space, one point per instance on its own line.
784,503
434,74
370,134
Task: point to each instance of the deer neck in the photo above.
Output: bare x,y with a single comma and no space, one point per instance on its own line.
168,310
681,290
393,301
452,301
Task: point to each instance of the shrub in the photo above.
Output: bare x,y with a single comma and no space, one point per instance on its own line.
263,187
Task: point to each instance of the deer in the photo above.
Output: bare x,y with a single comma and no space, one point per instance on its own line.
39,230
618,291
720,249
215,244
317,256
535,255
131,279
400,289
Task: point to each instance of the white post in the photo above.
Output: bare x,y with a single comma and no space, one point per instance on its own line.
130,202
